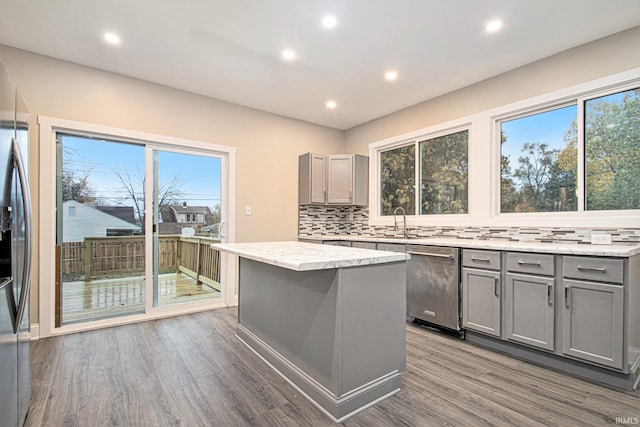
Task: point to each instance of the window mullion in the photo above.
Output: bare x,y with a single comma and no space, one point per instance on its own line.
418,180
581,189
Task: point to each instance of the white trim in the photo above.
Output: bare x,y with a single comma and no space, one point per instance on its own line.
484,161
47,224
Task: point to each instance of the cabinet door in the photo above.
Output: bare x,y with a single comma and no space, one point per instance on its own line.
318,178
340,179
312,184
529,310
481,300
592,321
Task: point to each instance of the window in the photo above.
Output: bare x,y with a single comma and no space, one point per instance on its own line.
541,154
398,180
444,172
612,151
538,162
568,158
441,168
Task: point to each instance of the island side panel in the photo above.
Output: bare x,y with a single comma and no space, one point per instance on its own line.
294,312
372,306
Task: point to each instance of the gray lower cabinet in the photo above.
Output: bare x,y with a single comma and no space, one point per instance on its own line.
593,312
481,300
529,300
482,291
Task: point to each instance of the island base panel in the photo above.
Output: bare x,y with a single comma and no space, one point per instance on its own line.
336,334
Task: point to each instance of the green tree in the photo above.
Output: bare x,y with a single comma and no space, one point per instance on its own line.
398,180
445,171
534,172
612,129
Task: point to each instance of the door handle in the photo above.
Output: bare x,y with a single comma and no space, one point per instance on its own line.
220,230
496,287
549,300
567,294
26,203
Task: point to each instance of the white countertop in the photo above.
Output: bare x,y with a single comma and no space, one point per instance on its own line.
615,250
302,256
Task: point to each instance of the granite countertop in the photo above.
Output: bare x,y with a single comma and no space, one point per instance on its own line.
615,250
302,256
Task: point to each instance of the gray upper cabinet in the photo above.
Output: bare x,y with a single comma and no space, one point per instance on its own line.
529,295
481,291
593,310
335,179
312,179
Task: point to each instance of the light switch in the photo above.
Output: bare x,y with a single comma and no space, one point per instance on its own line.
247,210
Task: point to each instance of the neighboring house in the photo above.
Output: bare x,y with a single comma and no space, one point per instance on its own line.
184,214
80,221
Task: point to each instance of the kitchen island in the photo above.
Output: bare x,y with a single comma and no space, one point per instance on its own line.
330,320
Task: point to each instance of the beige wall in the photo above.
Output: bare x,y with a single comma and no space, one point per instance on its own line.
267,145
598,59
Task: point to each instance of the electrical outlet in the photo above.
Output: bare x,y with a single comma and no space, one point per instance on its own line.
247,210
601,239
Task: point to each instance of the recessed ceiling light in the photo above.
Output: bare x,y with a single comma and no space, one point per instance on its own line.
391,75
331,104
289,54
112,38
329,21
493,26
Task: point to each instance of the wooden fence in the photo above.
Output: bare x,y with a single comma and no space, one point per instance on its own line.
121,256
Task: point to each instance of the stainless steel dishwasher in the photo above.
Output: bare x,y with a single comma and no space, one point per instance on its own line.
433,285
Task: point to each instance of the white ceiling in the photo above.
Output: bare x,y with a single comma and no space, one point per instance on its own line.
230,50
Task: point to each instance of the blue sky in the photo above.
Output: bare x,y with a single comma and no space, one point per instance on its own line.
548,127
199,176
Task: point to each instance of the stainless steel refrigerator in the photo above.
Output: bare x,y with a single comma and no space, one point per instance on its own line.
15,256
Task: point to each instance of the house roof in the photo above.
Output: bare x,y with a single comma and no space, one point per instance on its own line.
125,213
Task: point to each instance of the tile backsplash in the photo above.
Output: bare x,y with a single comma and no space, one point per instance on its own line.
354,221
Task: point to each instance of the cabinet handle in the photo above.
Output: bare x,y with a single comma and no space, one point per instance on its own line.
473,258
566,297
592,269
325,196
549,301
496,287
350,196
450,257
530,263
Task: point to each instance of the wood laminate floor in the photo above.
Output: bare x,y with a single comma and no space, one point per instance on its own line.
192,371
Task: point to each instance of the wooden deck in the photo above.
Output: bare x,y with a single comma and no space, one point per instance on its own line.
104,298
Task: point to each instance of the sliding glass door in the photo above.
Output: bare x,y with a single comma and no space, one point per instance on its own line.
187,209
123,203
100,233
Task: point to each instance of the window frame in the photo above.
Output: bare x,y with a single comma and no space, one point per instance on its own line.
579,101
414,138
484,164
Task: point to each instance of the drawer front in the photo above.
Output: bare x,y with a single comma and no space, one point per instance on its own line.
609,270
530,263
364,245
390,247
489,260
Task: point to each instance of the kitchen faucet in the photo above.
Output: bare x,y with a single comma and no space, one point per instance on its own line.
404,221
